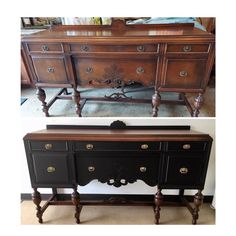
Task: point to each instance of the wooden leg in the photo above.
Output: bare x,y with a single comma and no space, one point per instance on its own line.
42,97
158,199
156,100
197,105
76,200
76,98
198,200
36,197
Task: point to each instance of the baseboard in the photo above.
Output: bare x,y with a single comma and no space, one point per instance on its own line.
106,197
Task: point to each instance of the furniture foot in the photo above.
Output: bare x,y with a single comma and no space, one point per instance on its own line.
197,105
156,100
76,98
158,199
76,200
42,97
36,197
198,200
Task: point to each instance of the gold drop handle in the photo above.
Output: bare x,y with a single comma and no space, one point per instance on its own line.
91,168
144,146
89,146
51,169
48,146
143,169
183,170
186,146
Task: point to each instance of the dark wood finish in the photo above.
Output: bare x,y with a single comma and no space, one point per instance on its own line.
168,58
25,75
169,159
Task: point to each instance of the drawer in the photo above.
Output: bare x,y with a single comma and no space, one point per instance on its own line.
84,48
52,168
50,70
186,146
188,48
184,169
183,73
115,72
117,168
106,146
45,47
48,145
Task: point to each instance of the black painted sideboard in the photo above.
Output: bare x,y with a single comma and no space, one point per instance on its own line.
65,157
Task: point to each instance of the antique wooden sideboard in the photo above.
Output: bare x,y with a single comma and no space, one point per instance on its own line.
166,157
169,58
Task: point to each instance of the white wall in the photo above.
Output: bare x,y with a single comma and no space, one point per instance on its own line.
199,124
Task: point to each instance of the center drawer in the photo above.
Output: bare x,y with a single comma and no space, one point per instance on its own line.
117,167
114,72
106,146
85,48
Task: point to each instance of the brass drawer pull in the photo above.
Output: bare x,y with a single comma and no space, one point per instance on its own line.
91,168
186,146
140,48
187,48
89,146
144,146
45,48
139,70
51,169
183,73
143,169
51,70
89,70
84,48
183,170
48,146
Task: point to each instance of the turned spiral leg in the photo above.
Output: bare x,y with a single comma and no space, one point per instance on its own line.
76,200
197,105
76,98
158,199
198,200
156,100
42,97
36,197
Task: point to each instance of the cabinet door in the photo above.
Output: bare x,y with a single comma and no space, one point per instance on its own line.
52,169
183,73
51,69
183,169
117,168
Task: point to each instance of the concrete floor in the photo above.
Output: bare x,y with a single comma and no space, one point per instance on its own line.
32,106
115,215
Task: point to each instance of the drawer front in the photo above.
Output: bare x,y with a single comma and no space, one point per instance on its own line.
84,48
184,73
186,146
184,169
45,47
114,72
50,70
188,48
48,145
106,146
117,168
52,168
